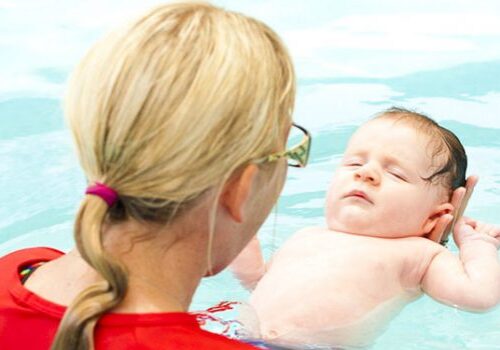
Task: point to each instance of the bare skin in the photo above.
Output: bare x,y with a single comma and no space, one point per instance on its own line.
165,269
341,280
342,284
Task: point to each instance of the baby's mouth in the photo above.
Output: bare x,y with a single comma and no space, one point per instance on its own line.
359,194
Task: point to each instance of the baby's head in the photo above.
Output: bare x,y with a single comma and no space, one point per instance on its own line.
396,177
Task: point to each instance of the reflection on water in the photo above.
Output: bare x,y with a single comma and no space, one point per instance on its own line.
463,82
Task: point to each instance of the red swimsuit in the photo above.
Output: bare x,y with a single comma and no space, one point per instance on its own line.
29,322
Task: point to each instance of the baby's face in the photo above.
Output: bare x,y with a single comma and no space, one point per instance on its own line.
378,189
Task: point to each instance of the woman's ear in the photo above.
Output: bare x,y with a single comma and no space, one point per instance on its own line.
436,215
237,190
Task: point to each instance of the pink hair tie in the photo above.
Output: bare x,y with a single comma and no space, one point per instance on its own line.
107,194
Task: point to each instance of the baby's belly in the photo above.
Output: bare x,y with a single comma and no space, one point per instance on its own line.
359,333
314,307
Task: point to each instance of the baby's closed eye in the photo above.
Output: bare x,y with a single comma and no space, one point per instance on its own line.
397,174
352,162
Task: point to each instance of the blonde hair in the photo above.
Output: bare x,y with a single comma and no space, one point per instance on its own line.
162,111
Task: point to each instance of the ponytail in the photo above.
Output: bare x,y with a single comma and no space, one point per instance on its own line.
76,330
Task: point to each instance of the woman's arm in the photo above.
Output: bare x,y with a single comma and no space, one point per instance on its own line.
249,265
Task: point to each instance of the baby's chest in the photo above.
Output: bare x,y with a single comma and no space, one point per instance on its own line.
342,262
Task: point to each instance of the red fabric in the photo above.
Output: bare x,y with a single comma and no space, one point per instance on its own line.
29,322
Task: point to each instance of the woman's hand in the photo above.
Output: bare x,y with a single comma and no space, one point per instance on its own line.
459,200
249,265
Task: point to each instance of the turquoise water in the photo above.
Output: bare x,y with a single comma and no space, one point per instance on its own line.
350,65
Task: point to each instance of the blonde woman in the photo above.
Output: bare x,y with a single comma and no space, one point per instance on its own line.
180,121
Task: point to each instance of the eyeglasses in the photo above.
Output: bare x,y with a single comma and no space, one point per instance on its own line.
297,155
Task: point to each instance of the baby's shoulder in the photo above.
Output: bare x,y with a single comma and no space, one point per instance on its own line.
419,243
417,253
418,247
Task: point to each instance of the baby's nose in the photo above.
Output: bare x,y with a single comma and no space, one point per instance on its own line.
368,174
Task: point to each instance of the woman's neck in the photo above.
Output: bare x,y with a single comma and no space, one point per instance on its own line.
162,279
163,271
164,267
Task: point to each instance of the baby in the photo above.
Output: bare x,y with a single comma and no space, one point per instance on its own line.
341,285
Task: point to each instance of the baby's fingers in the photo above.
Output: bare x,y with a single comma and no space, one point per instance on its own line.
488,229
469,221
468,230
494,231
462,230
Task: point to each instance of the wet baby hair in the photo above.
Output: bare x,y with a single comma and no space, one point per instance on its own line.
443,143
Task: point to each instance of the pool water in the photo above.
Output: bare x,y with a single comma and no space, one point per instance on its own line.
452,76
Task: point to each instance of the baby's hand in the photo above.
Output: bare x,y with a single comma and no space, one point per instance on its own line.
468,230
472,281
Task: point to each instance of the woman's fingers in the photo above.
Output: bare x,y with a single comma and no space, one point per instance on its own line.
460,199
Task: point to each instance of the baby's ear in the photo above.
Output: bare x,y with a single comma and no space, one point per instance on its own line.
432,227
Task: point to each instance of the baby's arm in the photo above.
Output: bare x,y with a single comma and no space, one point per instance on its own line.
249,266
472,280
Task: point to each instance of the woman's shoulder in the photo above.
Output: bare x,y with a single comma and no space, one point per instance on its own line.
167,331
12,262
28,255
193,340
